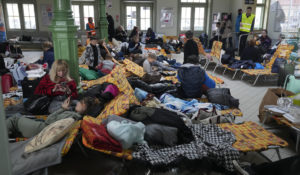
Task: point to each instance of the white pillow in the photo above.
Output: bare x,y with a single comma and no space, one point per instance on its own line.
49,135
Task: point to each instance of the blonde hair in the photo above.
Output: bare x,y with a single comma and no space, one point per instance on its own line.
47,45
59,65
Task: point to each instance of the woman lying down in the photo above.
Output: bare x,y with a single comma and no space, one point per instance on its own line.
25,127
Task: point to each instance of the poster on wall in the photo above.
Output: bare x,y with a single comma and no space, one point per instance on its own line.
2,26
109,3
47,14
167,17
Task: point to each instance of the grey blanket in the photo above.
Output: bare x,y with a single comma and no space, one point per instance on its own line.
27,163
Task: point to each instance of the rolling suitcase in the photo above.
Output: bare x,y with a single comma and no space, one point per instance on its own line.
6,82
284,71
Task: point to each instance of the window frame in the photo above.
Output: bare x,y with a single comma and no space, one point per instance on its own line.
263,6
29,16
21,15
81,13
193,5
138,6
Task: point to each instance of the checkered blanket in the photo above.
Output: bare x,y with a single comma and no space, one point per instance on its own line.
210,142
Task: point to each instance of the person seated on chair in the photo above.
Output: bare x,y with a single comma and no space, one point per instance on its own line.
135,32
121,34
25,127
252,52
150,36
92,55
194,80
190,47
134,45
264,41
48,55
217,35
106,66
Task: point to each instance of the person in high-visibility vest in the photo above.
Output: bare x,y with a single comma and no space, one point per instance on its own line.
246,27
90,27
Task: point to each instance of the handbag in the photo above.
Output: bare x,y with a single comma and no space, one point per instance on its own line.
37,105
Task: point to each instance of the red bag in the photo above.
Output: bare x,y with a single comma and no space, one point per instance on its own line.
6,82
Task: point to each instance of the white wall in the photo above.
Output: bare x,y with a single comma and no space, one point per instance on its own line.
115,11
163,4
39,13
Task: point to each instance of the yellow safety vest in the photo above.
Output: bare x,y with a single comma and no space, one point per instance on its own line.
246,22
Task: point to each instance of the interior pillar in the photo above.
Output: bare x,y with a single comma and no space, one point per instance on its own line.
5,164
103,25
64,35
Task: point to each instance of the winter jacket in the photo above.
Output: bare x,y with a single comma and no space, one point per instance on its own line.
242,64
46,85
89,56
190,48
192,78
48,57
134,48
154,116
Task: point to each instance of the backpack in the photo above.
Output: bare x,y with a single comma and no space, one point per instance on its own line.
292,84
28,86
222,96
276,65
192,79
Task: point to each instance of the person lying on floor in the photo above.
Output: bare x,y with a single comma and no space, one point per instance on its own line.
57,84
106,66
194,80
152,61
19,126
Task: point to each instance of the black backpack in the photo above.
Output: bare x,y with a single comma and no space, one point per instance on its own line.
28,86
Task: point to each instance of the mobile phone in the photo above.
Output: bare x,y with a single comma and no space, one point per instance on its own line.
63,84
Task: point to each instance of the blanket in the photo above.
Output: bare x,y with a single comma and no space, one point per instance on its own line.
210,142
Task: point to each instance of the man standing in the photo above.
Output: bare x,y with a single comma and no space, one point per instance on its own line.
237,27
246,27
90,28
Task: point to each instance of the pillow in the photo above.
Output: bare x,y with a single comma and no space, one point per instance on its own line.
49,135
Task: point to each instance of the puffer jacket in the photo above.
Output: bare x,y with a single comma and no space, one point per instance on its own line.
192,77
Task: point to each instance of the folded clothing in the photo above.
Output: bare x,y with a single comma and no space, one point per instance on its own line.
222,96
126,133
98,136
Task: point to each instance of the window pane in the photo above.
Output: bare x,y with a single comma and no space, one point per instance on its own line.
29,16
258,18
130,17
186,18
194,1
76,14
260,1
88,11
13,16
145,18
199,19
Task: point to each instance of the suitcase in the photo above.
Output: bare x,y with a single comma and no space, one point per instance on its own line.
292,84
6,82
28,86
284,71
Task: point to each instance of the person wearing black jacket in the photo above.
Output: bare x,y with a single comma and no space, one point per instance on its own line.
252,53
121,34
190,47
111,26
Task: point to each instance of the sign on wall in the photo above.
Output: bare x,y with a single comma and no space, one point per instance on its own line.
109,3
167,17
47,14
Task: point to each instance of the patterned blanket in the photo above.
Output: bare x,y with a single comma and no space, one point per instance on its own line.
210,142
